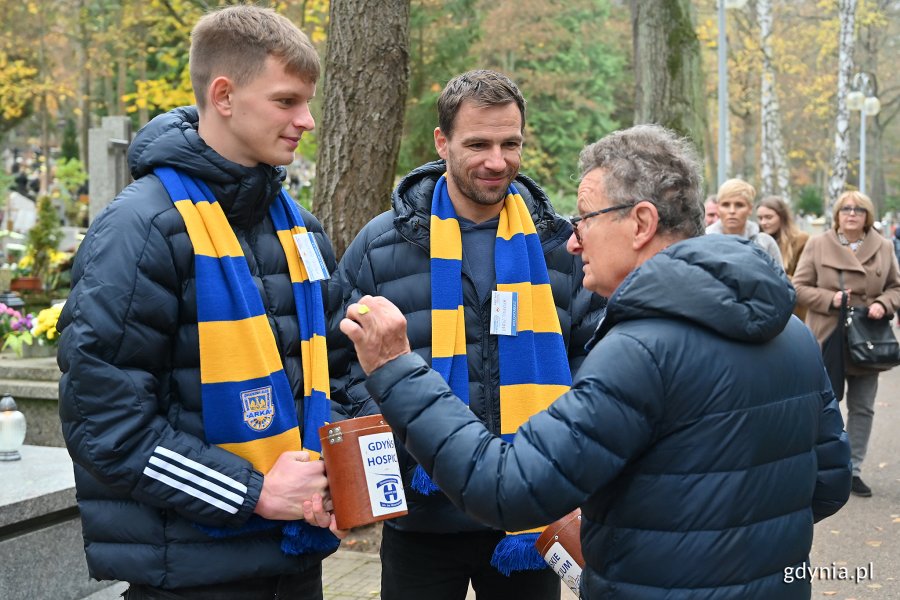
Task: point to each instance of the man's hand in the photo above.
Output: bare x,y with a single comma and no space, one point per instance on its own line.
291,481
378,330
316,513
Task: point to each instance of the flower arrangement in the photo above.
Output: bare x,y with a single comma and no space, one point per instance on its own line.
18,330
15,328
44,328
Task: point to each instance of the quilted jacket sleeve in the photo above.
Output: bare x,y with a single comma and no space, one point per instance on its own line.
118,332
559,458
352,281
833,453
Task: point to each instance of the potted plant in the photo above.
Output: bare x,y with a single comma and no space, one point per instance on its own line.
30,336
45,337
15,329
43,239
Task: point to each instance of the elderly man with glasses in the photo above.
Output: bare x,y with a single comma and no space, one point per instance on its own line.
700,438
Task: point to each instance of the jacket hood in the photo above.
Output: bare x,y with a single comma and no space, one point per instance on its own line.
411,201
172,139
721,282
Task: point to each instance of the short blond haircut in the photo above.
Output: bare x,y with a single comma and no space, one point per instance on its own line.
736,187
862,201
236,41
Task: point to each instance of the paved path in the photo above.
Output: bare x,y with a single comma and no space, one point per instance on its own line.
349,575
865,534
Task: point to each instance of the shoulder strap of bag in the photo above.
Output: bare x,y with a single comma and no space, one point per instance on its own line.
844,300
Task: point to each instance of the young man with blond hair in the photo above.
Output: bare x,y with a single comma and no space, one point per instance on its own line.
183,399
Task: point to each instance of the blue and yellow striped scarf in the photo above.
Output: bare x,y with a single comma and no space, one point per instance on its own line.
534,368
248,405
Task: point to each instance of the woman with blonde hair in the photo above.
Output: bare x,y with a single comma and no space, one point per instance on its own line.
775,218
852,251
734,201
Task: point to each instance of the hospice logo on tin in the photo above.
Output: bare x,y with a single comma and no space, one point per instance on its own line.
382,470
391,492
259,412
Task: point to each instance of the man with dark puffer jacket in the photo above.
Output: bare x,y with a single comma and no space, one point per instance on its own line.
164,507
701,437
436,550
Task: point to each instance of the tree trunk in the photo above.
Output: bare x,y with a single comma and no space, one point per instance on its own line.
668,72
847,15
774,175
84,86
366,74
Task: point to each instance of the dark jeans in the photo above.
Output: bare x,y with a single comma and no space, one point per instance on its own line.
438,566
301,586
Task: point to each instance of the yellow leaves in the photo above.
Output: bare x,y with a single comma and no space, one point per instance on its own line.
16,86
158,93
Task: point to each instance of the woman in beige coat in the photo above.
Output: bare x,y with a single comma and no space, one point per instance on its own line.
872,279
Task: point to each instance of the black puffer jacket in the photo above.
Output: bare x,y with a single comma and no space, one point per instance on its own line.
130,393
701,437
390,257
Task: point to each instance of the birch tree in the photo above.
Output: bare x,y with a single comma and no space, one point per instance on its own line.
847,16
774,175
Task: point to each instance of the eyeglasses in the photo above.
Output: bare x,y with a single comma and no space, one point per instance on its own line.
576,220
853,210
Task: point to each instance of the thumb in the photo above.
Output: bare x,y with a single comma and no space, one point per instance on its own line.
351,329
296,455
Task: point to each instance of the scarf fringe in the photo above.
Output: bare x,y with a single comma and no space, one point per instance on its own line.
299,537
422,483
302,538
517,552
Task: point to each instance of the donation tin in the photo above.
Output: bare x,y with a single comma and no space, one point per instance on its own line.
560,545
363,472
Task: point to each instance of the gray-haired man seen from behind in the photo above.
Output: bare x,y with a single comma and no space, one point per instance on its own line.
700,438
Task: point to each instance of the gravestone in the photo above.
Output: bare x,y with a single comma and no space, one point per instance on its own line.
107,150
41,548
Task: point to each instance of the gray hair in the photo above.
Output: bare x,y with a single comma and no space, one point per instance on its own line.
650,162
483,87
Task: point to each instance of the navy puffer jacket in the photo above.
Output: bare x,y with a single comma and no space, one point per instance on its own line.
390,257
701,438
130,393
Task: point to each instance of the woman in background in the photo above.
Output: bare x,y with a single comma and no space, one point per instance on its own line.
855,249
775,218
734,201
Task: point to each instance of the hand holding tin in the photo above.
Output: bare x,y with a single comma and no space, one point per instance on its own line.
291,481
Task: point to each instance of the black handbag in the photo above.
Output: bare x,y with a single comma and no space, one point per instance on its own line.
871,342
833,353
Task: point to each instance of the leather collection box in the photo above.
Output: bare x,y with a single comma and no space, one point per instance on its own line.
560,545
363,472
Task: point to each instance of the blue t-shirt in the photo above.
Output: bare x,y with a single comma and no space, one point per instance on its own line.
478,240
